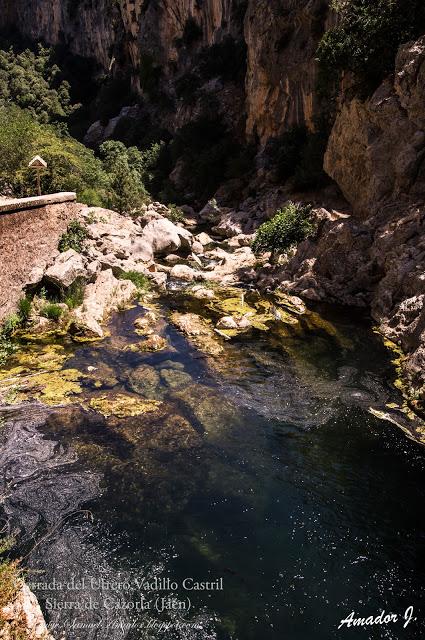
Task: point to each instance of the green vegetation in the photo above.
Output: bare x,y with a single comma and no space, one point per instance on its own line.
10,324
51,311
6,347
71,166
10,575
33,81
128,170
366,38
35,105
175,213
74,237
24,310
289,226
74,295
138,279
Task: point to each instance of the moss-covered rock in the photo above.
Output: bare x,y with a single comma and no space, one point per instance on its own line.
123,406
52,388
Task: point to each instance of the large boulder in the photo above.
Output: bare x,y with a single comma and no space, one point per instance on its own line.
162,237
66,269
376,149
101,298
184,272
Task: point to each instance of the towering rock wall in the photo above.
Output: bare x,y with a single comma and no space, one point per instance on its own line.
127,35
376,256
282,38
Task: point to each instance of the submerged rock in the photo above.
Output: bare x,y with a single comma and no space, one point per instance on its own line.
198,331
145,380
123,406
175,379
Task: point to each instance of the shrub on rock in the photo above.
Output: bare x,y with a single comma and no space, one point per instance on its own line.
290,226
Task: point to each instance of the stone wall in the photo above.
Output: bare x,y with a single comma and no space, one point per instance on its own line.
28,242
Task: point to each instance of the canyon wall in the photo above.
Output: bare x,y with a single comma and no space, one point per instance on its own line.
375,257
136,36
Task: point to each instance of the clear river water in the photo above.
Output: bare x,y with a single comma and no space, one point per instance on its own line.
263,477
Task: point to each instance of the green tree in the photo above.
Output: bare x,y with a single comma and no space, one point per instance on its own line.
367,36
31,80
71,166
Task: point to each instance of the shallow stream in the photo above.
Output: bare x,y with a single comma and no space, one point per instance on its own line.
262,473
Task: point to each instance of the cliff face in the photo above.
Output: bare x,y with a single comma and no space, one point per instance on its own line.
376,256
282,39
138,36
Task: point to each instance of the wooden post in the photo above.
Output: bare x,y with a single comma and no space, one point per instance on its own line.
38,164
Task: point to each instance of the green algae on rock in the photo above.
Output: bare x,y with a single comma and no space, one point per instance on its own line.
123,406
51,388
151,344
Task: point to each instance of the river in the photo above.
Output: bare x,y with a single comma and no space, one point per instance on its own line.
263,500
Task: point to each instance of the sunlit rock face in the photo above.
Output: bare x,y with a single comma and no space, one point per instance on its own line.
282,38
276,90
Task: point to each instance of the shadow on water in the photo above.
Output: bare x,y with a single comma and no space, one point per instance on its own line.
261,467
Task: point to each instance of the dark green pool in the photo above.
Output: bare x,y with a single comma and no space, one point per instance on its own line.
264,475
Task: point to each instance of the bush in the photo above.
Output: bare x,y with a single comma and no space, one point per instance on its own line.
290,226
24,309
128,169
139,279
366,38
74,237
51,311
6,348
175,214
74,295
